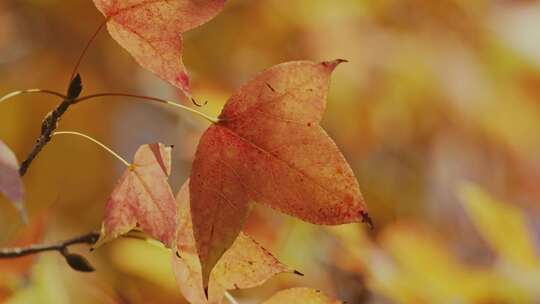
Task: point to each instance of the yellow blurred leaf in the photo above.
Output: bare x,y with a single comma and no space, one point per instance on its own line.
502,225
48,284
411,265
145,260
301,296
505,229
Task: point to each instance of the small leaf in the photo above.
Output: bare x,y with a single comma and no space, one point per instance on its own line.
10,181
301,295
269,148
78,262
142,197
151,31
246,264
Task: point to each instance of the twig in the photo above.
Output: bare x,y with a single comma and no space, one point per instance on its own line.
49,124
88,238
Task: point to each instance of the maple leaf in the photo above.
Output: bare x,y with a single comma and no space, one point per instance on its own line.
246,264
268,147
10,181
150,30
142,197
301,295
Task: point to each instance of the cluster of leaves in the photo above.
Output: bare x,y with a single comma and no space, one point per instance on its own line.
266,147
229,172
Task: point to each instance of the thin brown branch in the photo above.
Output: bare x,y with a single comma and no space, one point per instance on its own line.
75,261
50,123
87,238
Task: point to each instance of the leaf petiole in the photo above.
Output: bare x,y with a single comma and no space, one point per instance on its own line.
30,91
86,47
160,100
125,162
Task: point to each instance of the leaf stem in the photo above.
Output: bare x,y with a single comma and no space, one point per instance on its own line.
28,91
230,298
86,47
96,142
160,100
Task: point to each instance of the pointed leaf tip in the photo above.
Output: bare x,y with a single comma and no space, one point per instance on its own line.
367,220
162,154
331,65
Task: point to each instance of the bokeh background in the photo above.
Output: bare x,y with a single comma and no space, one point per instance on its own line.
438,113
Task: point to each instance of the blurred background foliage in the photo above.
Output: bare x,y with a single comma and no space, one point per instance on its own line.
438,113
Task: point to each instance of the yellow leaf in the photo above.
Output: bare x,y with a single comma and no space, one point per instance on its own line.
301,296
502,225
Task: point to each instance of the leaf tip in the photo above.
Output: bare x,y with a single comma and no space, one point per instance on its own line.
162,155
367,220
331,65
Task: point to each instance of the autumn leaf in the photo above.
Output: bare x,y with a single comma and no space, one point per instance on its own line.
301,295
268,147
10,181
142,197
412,264
503,226
508,231
246,264
150,30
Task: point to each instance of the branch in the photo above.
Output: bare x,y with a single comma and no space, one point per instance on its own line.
88,238
50,123
75,261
